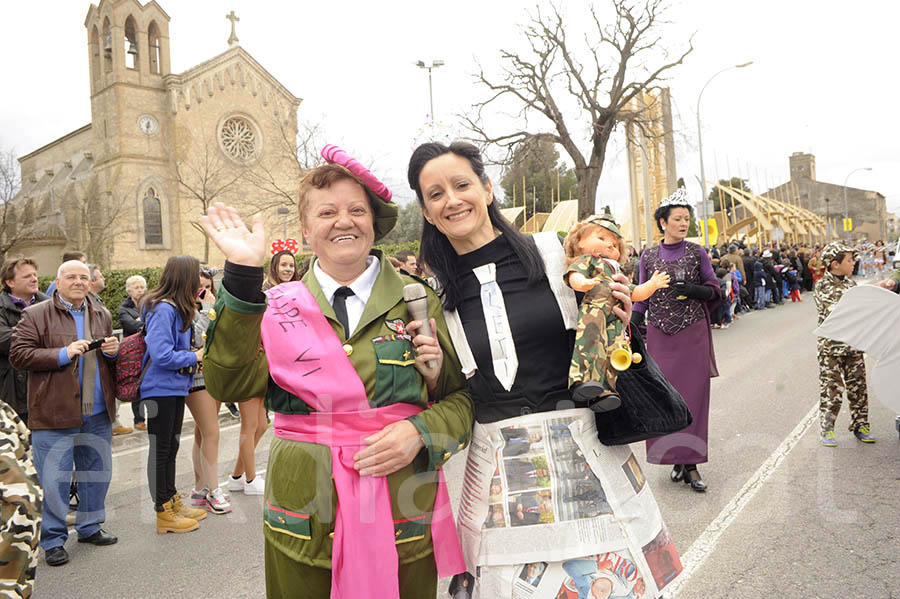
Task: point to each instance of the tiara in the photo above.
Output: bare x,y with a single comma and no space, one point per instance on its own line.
679,198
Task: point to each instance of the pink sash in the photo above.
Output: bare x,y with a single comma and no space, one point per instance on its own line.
306,358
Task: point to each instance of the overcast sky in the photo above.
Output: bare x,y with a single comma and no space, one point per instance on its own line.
821,81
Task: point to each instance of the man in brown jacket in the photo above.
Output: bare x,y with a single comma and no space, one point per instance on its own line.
71,395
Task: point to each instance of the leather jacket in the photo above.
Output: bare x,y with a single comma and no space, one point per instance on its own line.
54,393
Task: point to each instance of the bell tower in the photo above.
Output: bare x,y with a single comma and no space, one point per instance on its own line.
128,53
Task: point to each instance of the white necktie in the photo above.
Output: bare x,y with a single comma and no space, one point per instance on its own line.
503,349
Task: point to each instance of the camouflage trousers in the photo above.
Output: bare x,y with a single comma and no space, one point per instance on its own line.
839,370
20,507
597,334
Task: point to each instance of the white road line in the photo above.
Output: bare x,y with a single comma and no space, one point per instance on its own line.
184,440
703,547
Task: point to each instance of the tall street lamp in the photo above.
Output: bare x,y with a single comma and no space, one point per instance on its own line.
700,144
846,212
434,64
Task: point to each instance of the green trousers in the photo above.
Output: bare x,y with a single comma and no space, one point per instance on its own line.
289,579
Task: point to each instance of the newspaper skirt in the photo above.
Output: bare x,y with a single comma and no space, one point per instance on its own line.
548,512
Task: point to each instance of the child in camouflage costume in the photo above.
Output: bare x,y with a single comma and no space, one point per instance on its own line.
20,507
594,249
839,364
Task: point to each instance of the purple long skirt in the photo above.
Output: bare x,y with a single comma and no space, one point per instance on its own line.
687,360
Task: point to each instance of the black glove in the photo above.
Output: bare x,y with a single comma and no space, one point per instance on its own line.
698,292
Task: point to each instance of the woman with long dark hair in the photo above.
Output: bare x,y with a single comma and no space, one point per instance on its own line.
678,334
535,458
283,265
206,493
169,368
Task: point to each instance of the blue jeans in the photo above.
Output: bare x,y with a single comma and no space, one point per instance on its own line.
760,298
89,447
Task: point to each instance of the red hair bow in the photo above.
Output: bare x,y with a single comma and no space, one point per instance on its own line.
280,245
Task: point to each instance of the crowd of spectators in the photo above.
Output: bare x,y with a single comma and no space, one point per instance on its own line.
762,277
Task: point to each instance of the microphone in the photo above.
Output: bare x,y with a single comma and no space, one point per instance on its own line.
417,303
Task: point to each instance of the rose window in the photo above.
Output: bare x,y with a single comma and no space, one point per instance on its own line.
238,138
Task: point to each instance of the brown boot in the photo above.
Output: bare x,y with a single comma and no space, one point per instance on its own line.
169,520
185,511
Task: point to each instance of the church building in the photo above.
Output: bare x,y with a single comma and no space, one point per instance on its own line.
129,188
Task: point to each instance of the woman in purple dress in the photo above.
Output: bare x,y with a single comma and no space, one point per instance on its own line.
678,334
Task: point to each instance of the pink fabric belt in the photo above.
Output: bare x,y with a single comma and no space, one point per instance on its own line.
364,559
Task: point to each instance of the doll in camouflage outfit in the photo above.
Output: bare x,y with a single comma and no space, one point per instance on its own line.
20,507
840,365
594,249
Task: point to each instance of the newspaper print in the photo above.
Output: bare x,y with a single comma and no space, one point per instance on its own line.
549,471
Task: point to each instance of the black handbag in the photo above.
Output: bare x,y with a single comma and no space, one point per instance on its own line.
651,406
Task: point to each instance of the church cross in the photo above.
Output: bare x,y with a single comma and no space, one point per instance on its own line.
233,38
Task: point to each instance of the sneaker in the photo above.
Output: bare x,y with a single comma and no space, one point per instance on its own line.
233,410
862,433
216,502
198,498
829,439
235,484
257,486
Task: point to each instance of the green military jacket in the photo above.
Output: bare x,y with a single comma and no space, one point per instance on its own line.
896,276
300,495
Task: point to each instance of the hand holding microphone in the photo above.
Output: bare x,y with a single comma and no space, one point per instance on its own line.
428,350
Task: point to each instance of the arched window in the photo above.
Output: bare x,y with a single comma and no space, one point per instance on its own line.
153,39
152,218
131,49
95,55
106,42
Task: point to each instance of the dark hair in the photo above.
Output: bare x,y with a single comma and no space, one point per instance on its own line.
721,272
839,257
273,268
662,213
436,248
74,255
403,255
8,272
178,284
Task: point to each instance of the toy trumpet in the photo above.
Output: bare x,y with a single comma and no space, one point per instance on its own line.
622,357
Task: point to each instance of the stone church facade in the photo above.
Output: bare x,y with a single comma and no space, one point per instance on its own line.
866,208
130,187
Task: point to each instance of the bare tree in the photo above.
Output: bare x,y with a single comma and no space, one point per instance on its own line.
12,229
550,75
101,219
203,172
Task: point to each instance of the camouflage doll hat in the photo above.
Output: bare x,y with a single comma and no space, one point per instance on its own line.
833,249
379,194
606,221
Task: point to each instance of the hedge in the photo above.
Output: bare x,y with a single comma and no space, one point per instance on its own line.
114,294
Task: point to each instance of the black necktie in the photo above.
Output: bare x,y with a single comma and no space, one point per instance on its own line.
340,308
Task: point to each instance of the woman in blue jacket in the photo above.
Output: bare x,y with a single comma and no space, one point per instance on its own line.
169,368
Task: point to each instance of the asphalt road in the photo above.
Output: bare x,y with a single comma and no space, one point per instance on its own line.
783,517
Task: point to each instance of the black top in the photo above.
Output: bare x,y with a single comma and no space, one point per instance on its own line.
543,345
